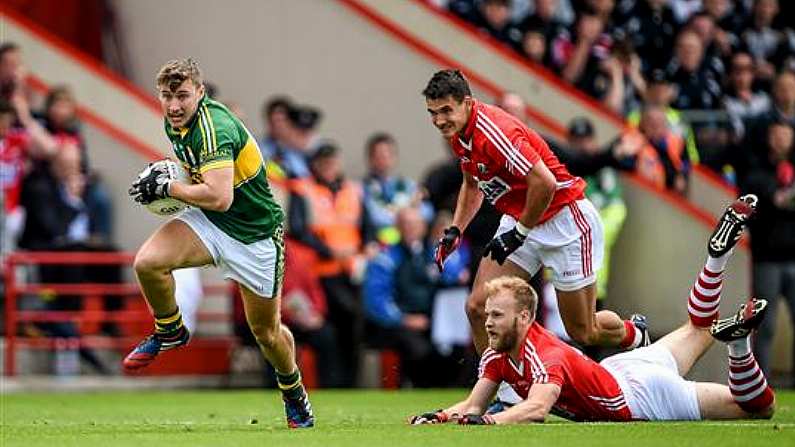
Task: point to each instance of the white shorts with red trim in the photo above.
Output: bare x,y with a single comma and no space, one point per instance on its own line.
652,386
571,243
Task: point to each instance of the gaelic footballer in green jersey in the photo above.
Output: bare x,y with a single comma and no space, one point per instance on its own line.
234,224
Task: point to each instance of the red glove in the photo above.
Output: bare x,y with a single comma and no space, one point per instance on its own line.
476,419
447,245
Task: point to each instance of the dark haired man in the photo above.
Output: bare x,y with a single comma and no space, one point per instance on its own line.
546,218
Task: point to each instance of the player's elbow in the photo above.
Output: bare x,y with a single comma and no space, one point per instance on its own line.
222,203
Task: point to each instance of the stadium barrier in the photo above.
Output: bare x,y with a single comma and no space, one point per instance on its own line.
206,355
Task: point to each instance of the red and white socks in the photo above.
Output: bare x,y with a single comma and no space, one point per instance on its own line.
704,301
747,382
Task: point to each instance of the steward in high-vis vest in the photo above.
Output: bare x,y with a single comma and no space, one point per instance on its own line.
662,159
326,214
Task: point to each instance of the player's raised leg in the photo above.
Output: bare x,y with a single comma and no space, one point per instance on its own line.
748,394
174,245
574,268
278,347
688,343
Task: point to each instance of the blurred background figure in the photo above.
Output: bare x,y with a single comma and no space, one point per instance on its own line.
604,191
327,215
772,179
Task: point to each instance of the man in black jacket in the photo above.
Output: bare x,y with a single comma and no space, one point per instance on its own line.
772,178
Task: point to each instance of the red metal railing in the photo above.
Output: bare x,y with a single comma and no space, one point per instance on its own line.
88,291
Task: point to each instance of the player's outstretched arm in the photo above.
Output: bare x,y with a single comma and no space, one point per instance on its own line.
535,408
476,402
215,193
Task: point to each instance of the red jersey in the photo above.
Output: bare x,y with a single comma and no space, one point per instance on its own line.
588,392
13,155
499,151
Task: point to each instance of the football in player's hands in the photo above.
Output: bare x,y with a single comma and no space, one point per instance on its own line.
151,187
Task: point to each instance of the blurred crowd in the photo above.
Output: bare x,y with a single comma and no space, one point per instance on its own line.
360,273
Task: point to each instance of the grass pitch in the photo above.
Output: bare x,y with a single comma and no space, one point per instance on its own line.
344,418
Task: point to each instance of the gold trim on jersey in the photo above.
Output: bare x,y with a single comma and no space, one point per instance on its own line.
248,162
216,165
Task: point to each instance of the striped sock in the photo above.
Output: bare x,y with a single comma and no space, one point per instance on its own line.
290,384
632,337
746,380
704,301
169,324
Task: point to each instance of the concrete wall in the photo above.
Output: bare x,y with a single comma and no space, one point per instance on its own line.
314,50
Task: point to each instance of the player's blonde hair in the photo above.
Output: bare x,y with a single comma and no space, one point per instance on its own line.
518,288
176,71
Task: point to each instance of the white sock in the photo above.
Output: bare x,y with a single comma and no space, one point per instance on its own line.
740,348
717,265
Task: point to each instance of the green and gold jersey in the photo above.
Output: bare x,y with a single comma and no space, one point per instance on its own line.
214,138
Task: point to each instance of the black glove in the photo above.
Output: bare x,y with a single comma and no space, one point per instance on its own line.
476,419
447,245
439,417
503,245
152,184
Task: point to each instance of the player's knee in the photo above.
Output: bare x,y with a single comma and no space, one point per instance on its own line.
146,262
476,307
267,336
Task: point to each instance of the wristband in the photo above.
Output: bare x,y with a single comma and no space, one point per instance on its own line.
521,229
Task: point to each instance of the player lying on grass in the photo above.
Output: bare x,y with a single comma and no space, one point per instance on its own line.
644,384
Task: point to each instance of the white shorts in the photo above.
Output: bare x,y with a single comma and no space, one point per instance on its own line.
652,386
571,243
258,266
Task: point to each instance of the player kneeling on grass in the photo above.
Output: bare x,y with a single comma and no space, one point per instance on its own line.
644,384
236,225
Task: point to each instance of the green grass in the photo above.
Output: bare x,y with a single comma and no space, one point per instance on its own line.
356,418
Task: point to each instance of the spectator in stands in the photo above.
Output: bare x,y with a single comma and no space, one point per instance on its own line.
768,46
12,71
772,179
305,311
385,192
398,297
326,214
660,92
662,160
741,100
494,18
782,109
60,118
58,220
539,31
625,83
291,162
697,87
650,27
534,46
577,55
730,18
604,191
512,103
683,9
716,45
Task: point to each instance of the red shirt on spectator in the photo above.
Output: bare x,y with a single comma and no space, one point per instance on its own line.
499,151
13,155
588,392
